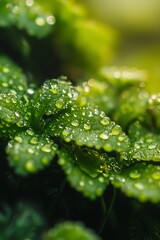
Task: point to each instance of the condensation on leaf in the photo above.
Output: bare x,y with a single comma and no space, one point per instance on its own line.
145,145
88,126
12,78
27,15
80,179
29,152
54,96
141,181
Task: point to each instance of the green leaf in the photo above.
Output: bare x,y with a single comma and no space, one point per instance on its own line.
54,96
154,101
21,222
89,127
145,145
141,181
80,180
29,152
121,77
71,231
27,15
12,78
97,93
131,105
13,113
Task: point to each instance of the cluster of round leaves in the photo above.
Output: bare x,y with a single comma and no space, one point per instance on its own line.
91,148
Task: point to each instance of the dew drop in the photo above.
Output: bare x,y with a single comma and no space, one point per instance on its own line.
107,147
30,132
5,70
122,137
4,84
40,21
59,103
33,141
62,161
87,127
29,166
134,175
81,183
104,135
30,150
105,121
16,114
29,3
156,176
152,146
116,130
46,148
20,88
51,20
101,179
139,186
44,161
18,139
65,132
54,89
75,123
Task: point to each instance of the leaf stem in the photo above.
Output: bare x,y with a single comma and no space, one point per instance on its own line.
107,213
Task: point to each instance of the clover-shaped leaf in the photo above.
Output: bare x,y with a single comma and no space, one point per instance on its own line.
90,127
26,15
145,144
54,96
12,78
79,179
29,152
71,231
141,181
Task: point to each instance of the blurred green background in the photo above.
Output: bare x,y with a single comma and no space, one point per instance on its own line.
138,24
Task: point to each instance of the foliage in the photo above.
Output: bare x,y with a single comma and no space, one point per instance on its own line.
100,133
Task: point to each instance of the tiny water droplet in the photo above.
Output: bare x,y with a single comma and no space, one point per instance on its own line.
54,89
81,183
51,20
66,132
75,123
29,166
29,3
62,161
87,127
18,139
134,175
122,137
33,141
139,186
40,21
105,121
5,69
152,146
156,176
46,148
59,103
30,132
30,150
116,130
20,88
104,135
101,179
107,147
4,84
44,161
